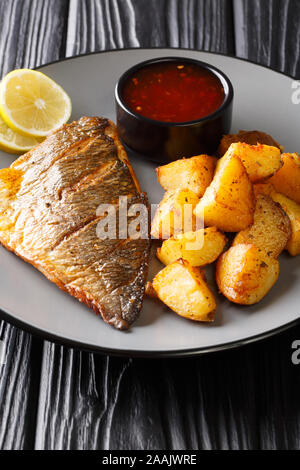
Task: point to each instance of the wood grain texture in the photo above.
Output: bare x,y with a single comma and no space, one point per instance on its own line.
268,32
246,399
19,388
32,32
96,25
53,397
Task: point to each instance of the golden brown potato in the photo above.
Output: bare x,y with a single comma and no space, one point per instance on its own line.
198,248
287,180
263,188
175,214
245,274
194,173
260,161
291,208
183,289
249,137
150,292
293,211
228,203
271,229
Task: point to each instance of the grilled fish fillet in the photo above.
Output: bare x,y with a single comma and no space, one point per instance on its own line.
48,216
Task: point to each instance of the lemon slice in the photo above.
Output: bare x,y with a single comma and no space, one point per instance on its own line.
32,104
12,142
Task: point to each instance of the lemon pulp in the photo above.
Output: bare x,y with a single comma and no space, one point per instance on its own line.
32,104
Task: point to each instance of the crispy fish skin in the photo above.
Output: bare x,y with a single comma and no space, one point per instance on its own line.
48,216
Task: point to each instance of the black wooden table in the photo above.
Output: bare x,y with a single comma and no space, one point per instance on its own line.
52,397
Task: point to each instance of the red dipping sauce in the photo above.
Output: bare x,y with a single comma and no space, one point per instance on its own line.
175,92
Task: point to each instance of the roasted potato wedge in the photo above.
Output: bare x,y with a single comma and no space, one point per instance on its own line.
149,291
291,208
260,161
175,214
271,229
245,274
287,180
293,211
198,248
194,173
249,137
228,203
263,188
183,289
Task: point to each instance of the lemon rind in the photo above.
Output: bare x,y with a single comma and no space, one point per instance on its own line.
7,118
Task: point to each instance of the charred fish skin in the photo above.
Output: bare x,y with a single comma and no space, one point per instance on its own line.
48,216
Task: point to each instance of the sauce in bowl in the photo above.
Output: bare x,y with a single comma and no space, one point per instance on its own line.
170,107
175,92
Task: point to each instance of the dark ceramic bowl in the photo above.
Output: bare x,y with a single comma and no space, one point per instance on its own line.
163,141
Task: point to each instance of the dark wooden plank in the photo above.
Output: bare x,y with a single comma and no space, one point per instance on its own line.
278,388
91,402
269,33
19,388
32,32
108,24
246,399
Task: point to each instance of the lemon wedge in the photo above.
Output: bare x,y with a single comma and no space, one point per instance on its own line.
32,104
12,142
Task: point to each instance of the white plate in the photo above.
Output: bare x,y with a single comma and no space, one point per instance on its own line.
263,100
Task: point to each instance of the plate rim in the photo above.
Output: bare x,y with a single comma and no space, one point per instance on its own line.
139,353
242,59
177,353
